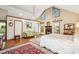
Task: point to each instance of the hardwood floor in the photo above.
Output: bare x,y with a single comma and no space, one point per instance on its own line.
11,43
16,42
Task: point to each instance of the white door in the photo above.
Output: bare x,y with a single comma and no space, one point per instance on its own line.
36,27
18,28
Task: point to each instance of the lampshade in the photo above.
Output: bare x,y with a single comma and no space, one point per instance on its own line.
77,25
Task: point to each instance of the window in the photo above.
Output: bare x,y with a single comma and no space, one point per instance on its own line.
43,16
55,12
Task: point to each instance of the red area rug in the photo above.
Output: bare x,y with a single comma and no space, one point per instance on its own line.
26,49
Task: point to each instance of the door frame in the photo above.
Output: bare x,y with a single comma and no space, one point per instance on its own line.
5,28
21,25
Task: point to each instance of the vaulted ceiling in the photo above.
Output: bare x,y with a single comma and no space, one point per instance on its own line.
30,11
35,10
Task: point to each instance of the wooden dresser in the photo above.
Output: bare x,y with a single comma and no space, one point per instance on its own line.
69,29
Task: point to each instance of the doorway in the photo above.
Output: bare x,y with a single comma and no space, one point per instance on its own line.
3,33
18,29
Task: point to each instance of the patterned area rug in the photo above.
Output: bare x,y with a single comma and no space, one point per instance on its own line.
26,49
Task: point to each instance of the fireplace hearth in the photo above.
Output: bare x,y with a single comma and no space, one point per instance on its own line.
48,29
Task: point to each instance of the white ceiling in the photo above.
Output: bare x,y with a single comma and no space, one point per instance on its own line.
72,8
39,8
26,11
29,8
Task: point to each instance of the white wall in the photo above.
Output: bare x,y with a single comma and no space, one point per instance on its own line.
10,30
8,10
34,25
65,16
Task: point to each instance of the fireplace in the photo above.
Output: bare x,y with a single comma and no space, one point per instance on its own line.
48,29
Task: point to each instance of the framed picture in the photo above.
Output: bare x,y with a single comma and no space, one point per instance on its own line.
28,25
55,12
